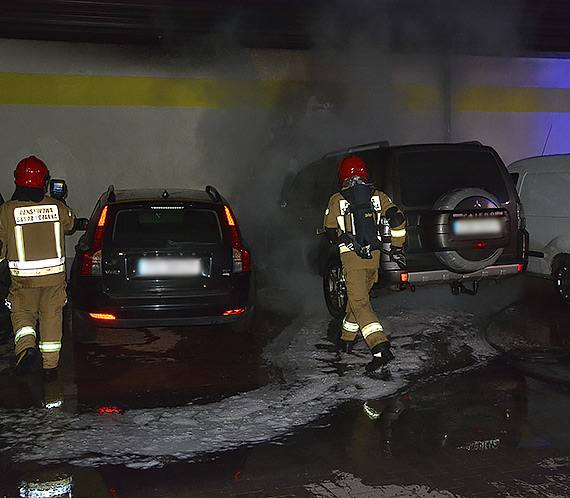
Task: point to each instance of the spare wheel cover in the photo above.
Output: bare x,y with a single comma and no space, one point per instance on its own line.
448,202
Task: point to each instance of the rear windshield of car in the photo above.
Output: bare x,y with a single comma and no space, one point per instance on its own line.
427,175
157,225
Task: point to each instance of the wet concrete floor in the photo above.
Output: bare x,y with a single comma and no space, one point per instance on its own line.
491,432
502,429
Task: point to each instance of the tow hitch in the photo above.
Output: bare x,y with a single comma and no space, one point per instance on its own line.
458,288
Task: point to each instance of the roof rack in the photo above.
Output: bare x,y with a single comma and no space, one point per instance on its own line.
358,148
111,193
213,193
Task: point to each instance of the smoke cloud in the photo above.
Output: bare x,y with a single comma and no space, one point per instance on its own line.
360,49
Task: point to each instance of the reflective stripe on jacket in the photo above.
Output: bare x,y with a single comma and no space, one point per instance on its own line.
33,234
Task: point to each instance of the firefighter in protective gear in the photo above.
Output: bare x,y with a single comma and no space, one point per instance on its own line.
360,269
32,232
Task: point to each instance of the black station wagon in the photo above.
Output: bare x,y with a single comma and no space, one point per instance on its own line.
157,258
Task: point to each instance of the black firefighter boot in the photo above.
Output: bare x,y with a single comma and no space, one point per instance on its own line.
25,360
345,346
381,355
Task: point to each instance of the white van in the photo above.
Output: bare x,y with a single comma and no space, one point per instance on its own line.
543,184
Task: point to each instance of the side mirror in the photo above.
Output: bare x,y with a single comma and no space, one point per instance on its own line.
81,224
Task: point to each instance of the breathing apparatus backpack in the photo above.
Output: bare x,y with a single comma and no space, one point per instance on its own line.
360,205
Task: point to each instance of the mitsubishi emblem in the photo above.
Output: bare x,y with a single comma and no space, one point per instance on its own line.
477,204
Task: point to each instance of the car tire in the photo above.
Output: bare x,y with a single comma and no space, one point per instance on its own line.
561,276
452,259
334,288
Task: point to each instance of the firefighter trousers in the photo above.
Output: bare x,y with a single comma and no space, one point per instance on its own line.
359,312
30,306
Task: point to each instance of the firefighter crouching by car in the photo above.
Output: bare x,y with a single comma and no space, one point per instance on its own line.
352,221
32,231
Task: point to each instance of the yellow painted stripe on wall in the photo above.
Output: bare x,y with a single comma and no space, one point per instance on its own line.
78,90
486,99
53,89
483,99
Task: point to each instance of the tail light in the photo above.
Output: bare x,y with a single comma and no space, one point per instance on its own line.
91,264
102,316
521,219
233,312
241,257
107,409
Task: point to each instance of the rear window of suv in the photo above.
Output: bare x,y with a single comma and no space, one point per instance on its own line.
156,225
427,175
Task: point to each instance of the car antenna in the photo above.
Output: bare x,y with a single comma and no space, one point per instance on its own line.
111,193
546,141
165,194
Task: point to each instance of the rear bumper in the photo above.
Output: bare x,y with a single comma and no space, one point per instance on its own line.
446,276
148,310
163,320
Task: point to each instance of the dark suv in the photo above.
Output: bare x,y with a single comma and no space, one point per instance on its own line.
4,286
464,217
160,257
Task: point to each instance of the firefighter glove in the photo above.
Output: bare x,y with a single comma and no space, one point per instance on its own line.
397,255
348,240
363,252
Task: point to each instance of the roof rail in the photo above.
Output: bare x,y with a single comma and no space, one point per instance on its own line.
358,148
213,193
111,193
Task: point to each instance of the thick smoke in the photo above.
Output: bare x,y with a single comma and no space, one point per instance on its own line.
360,49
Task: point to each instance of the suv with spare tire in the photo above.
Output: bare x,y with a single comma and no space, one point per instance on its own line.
464,218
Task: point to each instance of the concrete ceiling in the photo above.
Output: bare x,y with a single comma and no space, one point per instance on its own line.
541,26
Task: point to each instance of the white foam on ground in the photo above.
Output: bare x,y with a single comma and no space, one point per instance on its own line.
144,438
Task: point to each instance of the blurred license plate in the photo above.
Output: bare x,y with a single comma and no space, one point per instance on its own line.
489,444
478,226
169,267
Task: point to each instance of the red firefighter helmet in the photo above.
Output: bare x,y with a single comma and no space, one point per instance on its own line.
352,166
31,172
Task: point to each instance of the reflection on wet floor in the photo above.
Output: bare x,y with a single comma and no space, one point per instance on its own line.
533,333
473,434
476,432
148,367
481,410
166,367
538,319
488,432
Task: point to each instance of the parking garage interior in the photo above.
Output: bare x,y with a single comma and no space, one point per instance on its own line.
239,95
